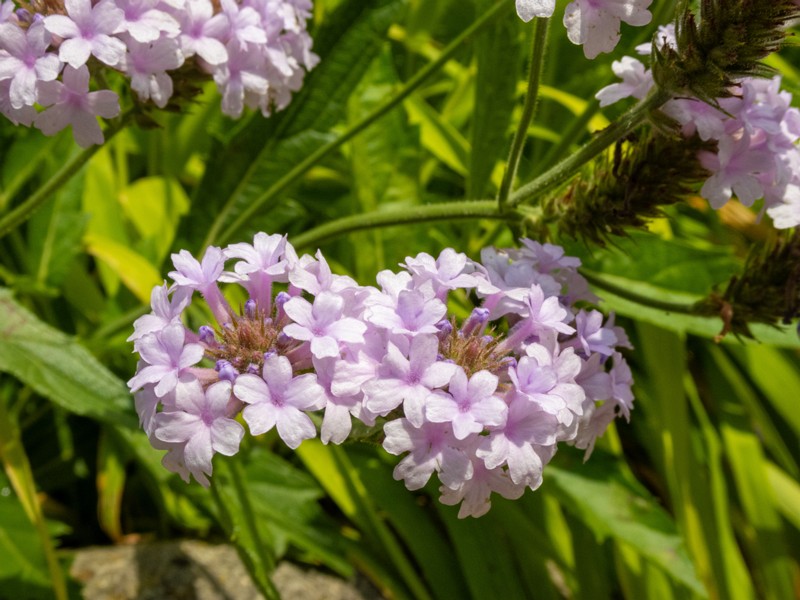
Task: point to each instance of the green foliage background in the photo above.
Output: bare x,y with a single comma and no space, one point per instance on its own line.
697,497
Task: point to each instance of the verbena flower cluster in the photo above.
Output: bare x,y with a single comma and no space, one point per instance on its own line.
593,24
257,51
482,401
756,131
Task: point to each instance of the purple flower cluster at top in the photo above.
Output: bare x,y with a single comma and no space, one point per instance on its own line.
257,51
756,131
482,402
593,24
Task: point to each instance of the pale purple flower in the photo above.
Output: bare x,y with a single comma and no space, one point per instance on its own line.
408,381
146,403
71,103
278,399
525,442
88,30
24,60
540,316
203,277
592,336
200,421
18,116
145,22
6,10
475,492
147,65
468,405
595,23
528,9
696,116
549,381
547,257
431,447
594,380
165,310
202,31
414,314
323,324
244,25
665,37
166,357
241,80
268,259
637,81
336,423
787,213
447,272
735,169
621,383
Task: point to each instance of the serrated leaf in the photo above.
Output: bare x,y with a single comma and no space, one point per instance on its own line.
59,368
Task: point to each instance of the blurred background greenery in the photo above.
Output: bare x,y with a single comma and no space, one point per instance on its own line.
697,497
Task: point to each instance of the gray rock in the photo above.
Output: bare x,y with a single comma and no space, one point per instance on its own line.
192,570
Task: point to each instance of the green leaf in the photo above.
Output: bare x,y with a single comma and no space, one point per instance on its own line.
774,373
707,327
59,368
420,533
23,162
439,137
613,504
138,275
787,494
54,235
100,202
286,499
764,538
668,265
485,555
111,479
498,53
154,205
346,43
23,568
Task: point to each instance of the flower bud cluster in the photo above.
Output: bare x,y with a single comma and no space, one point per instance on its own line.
481,401
593,24
755,130
257,52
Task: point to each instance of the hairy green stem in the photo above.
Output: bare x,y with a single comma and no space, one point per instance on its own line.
624,292
538,50
443,211
23,212
564,170
214,235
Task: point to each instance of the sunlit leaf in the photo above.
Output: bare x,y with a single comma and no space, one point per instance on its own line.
59,368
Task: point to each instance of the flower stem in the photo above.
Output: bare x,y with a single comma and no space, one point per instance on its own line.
443,211
623,292
214,235
538,49
23,212
564,170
